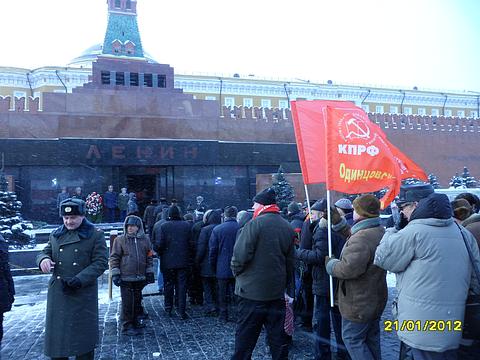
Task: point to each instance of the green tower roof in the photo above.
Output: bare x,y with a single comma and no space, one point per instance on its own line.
122,37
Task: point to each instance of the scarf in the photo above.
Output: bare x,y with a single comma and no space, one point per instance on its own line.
366,224
266,209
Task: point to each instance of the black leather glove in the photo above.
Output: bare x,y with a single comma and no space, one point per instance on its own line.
70,285
402,222
150,278
117,280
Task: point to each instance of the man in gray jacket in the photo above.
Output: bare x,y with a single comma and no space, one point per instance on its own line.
263,266
434,273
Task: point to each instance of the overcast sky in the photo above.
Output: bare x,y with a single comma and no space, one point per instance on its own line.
405,43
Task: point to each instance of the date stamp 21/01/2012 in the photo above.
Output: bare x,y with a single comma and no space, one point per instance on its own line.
422,325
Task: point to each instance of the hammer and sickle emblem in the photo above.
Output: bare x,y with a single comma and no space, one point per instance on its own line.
356,129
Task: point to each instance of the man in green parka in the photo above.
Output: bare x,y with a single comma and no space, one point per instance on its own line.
76,254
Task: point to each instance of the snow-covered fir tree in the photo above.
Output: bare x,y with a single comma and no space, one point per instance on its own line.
456,182
12,226
433,180
411,181
283,189
468,180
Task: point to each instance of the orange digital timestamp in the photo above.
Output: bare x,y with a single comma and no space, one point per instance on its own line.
422,325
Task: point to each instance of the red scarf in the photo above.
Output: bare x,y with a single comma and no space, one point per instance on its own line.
266,209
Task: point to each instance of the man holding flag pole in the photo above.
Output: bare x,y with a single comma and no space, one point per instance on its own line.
338,145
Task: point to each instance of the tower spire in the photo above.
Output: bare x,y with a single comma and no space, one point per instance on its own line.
122,37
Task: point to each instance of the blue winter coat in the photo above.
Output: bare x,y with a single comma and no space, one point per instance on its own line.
172,242
201,257
7,290
110,200
221,245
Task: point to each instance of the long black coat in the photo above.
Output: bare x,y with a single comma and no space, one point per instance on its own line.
201,257
7,290
172,242
71,325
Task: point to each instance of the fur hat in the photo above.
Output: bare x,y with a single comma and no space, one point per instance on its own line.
265,197
414,192
320,205
367,206
461,209
72,207
293,208
231,212
344,204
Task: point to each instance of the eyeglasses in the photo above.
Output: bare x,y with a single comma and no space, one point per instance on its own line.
404,205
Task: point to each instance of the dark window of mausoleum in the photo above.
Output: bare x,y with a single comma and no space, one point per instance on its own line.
120,78
129,4
117,3
133,79
105,77
148,80
162,81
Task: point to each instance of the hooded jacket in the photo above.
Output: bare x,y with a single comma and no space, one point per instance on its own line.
132,256
212,219
433,270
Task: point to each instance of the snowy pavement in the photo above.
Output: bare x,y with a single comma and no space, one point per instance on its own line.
164,337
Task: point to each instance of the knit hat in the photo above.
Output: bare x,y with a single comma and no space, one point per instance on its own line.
367,206
231,212
461,209
344,204
265,197
293,208
320,205
414,192
72,207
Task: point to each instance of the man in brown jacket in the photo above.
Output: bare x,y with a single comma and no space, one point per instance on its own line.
362,288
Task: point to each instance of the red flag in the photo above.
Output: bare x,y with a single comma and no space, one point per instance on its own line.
338,144
359,158
408,169
309,126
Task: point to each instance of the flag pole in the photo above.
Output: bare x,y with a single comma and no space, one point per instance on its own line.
308,202
329,229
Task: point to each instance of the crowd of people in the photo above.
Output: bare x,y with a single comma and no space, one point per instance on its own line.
257,267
